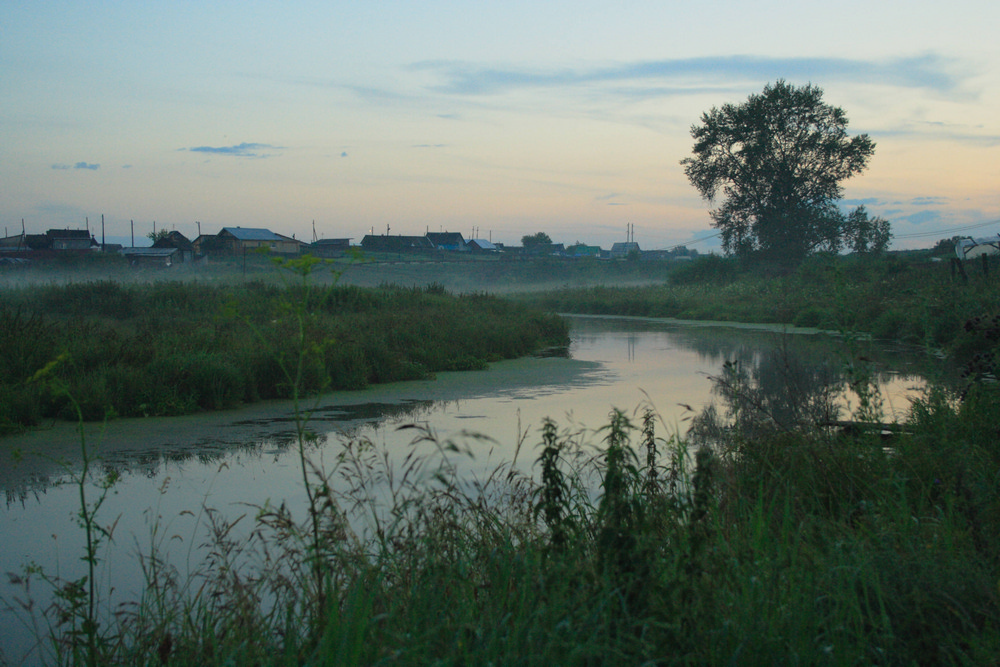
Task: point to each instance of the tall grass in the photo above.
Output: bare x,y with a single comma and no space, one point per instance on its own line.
912,301
175,348
795,548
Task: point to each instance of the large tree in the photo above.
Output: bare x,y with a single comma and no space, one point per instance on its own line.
776,162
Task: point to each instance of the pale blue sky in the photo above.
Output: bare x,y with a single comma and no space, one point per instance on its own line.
514,117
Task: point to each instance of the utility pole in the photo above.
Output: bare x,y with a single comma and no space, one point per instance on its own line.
132,223
102,233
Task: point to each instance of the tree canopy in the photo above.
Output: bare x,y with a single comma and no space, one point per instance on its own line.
158,234
776,162
535,239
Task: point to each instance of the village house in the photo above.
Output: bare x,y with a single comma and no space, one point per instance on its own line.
581,250
623,250
399,244
62,240
13,243
328,248
179,242
159,258
481,246
543,249
450,241
237,240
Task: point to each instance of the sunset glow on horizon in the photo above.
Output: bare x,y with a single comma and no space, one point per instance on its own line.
513,118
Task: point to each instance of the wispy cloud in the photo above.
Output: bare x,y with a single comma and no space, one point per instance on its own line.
921,217
239,150
609,199
942,131
678,76
929,201
78,165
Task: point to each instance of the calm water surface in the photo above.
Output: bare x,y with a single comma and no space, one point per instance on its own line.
170,471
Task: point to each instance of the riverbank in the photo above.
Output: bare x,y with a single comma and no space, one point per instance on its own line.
34,458
114,350
911,300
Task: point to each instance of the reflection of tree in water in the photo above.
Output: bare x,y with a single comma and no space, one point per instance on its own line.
784,387
33,487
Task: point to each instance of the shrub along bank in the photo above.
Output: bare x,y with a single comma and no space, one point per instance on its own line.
173,348
909,300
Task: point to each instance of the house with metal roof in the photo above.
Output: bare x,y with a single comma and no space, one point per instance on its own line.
623,250
240,239
481,245
152,257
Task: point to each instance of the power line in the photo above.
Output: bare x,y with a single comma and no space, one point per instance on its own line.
693,241
918,235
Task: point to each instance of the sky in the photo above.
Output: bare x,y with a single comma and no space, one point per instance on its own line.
494,119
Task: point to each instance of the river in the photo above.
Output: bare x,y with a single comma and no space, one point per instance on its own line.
165,476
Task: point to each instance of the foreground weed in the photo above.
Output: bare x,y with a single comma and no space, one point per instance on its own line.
305,351
77,635
552,497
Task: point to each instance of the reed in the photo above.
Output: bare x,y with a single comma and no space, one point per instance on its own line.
175,348
806,547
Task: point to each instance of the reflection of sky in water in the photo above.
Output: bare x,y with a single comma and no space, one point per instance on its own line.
625,364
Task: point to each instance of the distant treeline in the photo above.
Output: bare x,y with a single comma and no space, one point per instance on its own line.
172,348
